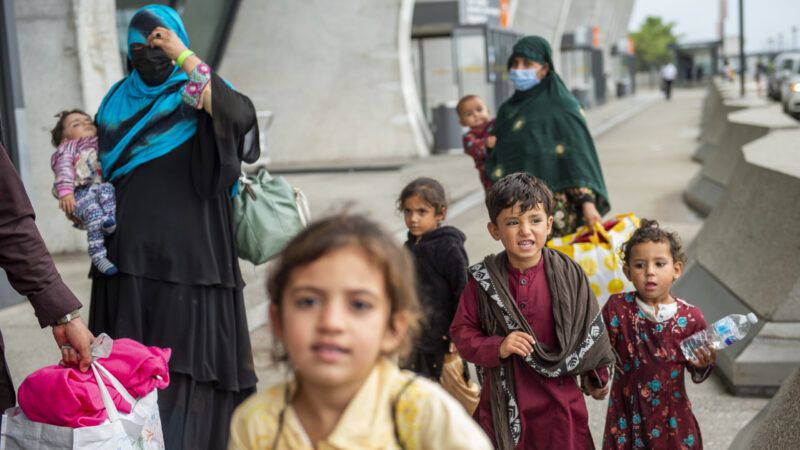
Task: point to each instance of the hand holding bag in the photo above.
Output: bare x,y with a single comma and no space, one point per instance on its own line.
267,213
139,430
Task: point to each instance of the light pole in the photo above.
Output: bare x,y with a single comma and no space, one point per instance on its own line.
741,48
794,37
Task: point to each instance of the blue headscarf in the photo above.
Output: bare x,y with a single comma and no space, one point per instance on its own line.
138,123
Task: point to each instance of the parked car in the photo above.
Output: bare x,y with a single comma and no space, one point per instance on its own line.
784,66
790,96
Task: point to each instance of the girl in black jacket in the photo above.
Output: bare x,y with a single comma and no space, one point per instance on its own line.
441,263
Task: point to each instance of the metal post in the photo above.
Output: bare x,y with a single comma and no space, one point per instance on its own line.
10,88
741,48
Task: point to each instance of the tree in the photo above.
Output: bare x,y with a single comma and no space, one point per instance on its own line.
652,43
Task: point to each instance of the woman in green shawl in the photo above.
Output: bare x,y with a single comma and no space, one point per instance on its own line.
541,130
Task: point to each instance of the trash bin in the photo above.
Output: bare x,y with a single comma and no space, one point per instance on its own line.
622,89
446,129
582,95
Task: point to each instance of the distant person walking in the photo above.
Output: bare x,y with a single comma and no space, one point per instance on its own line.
668,74
727,71
541,130
761,73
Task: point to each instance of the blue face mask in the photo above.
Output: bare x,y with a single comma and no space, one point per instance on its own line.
523,79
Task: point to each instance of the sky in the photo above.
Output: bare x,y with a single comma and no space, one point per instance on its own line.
696,20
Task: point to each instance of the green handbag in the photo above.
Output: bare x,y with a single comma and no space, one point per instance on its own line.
267,213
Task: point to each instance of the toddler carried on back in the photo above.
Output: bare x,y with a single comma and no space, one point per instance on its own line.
79,186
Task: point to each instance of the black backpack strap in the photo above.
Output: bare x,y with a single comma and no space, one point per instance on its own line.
395,402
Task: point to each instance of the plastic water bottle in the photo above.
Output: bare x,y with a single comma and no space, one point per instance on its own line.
722,333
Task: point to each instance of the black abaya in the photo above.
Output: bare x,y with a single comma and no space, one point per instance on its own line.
179,284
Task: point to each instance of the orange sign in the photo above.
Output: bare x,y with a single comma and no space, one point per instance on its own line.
504,13
631,46
596,37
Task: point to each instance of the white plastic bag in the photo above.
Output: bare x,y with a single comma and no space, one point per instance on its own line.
138,430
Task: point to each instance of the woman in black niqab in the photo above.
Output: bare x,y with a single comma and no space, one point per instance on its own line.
179,286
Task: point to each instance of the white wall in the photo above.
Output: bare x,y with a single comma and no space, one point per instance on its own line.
332,74
50,82
54,69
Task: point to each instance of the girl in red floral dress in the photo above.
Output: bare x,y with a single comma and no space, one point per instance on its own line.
648,407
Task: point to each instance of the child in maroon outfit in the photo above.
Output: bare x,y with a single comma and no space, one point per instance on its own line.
473,113
530,321
648,407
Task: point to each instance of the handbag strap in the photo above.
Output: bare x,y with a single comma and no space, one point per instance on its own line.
244,179
247,185
108,403
598,232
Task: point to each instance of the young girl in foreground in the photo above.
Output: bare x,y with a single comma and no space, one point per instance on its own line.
648,407
441,263
343,307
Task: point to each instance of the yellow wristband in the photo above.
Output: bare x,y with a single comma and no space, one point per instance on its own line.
182,57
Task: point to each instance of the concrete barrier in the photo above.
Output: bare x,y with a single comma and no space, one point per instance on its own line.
714,128
745,259
718,93
778,424
712,100
740,128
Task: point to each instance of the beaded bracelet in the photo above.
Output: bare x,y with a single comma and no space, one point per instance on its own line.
192,93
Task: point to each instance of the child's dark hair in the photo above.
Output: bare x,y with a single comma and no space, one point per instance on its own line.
57,133
337,232
428,190
649,231
463,101
521,188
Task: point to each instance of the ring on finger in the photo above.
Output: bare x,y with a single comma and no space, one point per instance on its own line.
66,346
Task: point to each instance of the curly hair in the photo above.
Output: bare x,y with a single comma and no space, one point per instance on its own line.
57,133
649,231
344,230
